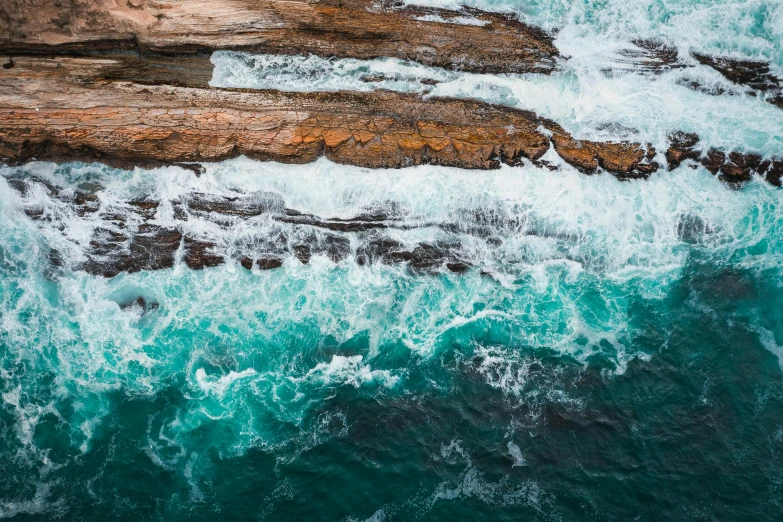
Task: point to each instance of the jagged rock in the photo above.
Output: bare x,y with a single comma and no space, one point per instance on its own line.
714,160
754,74
737,168
682,146
342,28
751,73
651,56
303,253
269,263
146,208
382,250
429,258
625,160
200,254
772,170
151,248
333,246
71,115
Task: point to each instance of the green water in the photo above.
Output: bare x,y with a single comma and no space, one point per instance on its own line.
629,371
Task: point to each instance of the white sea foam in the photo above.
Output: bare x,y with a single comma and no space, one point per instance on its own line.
220,386
517,455
350,370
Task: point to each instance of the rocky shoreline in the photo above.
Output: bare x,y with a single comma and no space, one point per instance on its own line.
467,40
123,112
128,85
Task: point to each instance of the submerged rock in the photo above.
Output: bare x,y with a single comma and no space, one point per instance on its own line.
141,303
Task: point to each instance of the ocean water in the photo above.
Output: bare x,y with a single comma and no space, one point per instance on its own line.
614,351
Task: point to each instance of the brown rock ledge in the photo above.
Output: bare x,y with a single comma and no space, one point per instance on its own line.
734,168
62,109
341,28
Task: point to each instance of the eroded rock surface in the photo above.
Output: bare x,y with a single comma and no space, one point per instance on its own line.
734,168
750,73
63,109
494,43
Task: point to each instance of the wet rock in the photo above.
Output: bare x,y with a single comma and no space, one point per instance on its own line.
383,250
713,89
245,205
200,254
458,267
624,160
303,253
246,262
151,248
195,168
374,78
428,258
682,146
335,247
146,208
86,202
337,225
651,56
18,184
179,211
164,124
714,160
269,263
754,74
740,167
772,171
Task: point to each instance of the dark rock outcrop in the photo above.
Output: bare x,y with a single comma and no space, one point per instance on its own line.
682,146
734,168
750,73
151,248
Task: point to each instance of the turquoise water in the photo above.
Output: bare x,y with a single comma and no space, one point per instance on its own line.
613,353
622,358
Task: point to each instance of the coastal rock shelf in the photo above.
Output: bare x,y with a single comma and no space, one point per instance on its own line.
467,40
64,109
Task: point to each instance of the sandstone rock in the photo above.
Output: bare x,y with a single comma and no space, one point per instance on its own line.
65,109
342,28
